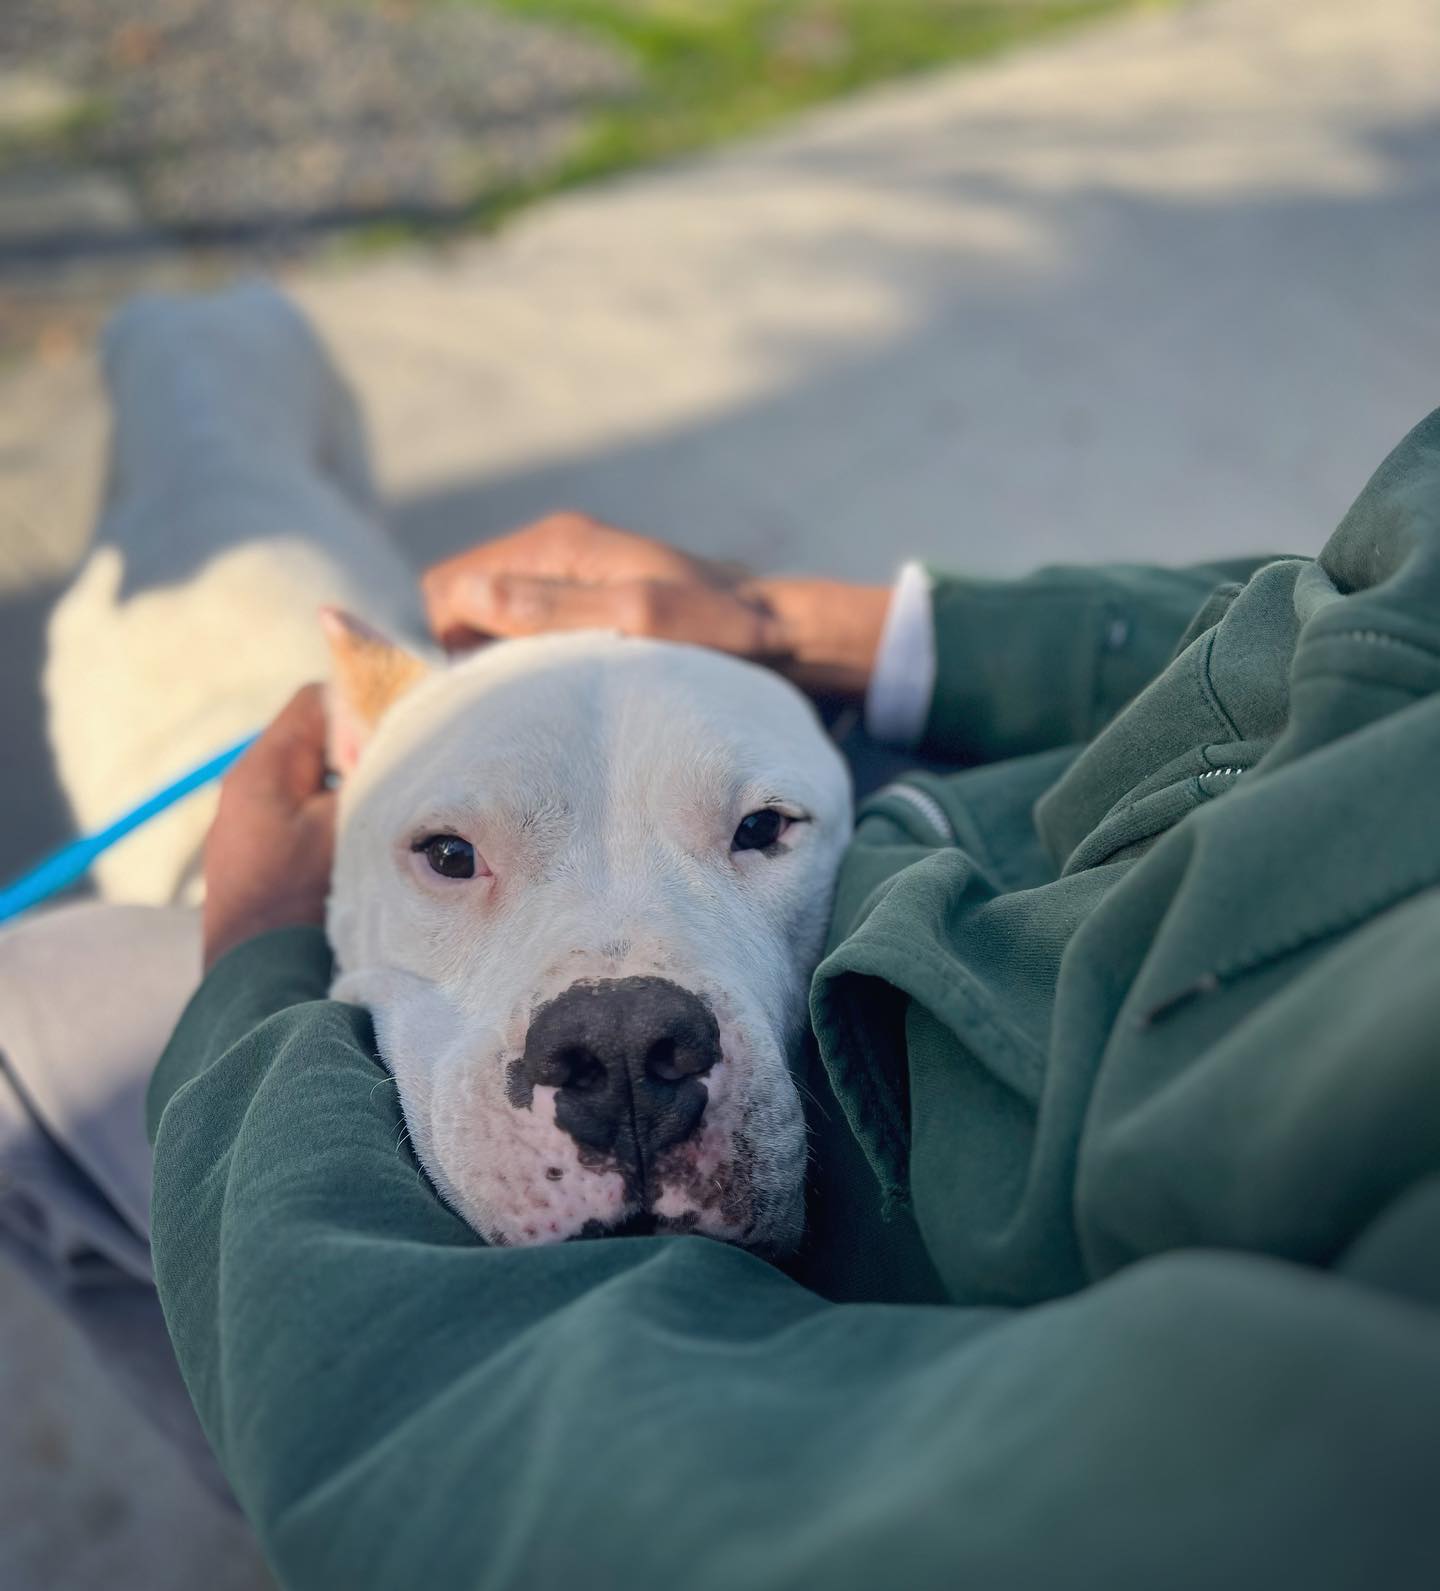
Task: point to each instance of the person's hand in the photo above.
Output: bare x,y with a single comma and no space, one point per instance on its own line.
569,572
268,853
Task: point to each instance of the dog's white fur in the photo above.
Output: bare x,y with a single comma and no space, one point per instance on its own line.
600,778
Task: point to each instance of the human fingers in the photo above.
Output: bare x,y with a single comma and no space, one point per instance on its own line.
568,546
287,761
519,605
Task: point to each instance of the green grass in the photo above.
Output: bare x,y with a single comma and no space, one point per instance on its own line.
62,135
712,70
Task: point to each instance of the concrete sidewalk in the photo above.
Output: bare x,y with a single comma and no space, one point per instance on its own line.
1160,290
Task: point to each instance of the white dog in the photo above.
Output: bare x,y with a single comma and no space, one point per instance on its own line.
581,882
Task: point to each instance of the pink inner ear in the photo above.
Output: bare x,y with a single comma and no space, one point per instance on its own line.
344,752
346,733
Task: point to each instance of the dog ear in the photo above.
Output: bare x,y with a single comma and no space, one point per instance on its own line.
368,672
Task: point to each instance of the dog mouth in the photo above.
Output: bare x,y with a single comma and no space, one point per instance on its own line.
706,1188
698,1188
642,1224
624,1108
631,1071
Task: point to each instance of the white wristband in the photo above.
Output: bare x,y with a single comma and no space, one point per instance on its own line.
903,682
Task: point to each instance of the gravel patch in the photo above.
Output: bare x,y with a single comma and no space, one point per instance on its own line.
252,129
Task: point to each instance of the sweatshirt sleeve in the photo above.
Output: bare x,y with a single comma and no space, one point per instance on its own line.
1046,661
396,1404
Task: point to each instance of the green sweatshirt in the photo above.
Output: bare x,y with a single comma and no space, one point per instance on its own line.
1123,1265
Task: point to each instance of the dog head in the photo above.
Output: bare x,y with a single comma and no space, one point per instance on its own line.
582,882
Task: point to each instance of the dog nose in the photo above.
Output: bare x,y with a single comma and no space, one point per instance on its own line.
626,1056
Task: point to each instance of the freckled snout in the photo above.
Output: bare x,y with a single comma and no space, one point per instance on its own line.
626,1057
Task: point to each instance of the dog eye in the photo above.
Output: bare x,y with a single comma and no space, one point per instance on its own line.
448,855
759,831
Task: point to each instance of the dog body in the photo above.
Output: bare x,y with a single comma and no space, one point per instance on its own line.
591,1029
601,781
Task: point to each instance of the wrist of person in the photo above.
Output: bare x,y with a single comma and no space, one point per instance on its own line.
827,632
231,925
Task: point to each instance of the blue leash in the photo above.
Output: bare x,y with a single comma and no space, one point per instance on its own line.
74,860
